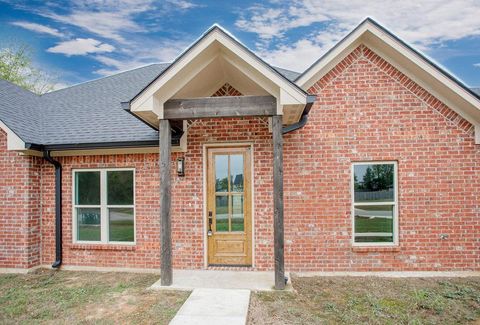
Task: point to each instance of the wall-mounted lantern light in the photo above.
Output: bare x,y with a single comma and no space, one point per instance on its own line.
181,166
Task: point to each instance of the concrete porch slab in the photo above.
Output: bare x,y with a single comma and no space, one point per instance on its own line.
214,306
214,279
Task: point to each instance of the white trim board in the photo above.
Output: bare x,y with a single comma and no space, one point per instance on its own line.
404,59
215,43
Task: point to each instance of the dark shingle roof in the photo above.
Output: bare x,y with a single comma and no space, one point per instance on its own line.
289,74
90,112
19,110
476,90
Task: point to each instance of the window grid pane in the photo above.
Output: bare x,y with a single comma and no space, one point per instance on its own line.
87,188
374,183
121,224
120,187
88,224
103,222
374,202
229,179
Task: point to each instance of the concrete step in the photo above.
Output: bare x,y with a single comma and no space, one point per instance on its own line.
213,279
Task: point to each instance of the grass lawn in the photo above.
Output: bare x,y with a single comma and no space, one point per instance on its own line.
48,296
360,300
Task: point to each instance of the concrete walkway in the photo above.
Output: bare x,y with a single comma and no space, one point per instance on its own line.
214,306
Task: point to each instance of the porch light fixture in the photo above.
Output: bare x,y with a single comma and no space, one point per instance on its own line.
181,166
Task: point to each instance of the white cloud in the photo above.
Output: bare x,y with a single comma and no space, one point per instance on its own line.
152,52
120,25
296,57
81,46
112,19
105,24
425,23
477,65
183,4
38,28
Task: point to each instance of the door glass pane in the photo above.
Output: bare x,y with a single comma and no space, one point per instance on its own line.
88,224
120,224
87,188
120,187
237,213
236,173
221,212
221,173
374,223
374,182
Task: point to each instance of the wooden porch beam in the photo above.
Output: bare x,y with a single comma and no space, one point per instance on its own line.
278,231
227,106
165,203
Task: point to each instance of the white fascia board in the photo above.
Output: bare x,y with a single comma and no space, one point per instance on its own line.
419,61
332,58
221,37
268,72
192,73
253,75
463,103
13,140
171,72
452,103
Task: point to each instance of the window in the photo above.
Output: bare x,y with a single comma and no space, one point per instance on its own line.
104,206
374,203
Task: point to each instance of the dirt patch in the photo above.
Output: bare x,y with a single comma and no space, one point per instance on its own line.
85,297
370,300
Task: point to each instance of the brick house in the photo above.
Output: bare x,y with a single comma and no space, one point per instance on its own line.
367,161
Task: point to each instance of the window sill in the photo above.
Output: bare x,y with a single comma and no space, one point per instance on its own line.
103,247
380,249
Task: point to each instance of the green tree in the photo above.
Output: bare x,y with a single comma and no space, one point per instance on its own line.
16,66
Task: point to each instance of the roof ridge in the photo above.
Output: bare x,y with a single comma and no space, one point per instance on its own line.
105,77
20,87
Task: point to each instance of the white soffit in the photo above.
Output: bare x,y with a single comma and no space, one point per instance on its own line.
407,61
215,45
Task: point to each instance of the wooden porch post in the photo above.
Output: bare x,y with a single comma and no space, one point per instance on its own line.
165,202
278,201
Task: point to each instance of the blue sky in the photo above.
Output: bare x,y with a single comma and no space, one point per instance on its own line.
80,40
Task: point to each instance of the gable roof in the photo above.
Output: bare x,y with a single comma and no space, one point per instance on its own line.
88,113
91,115
215,42
420,69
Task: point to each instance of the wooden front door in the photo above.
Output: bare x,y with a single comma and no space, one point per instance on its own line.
229,206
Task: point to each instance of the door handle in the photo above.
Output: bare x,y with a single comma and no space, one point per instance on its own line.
210,220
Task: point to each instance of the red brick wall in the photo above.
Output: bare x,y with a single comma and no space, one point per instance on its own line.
19,208
367,110
146,252
187,201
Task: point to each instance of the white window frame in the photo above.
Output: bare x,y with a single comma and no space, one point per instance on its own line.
394,203
104,224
